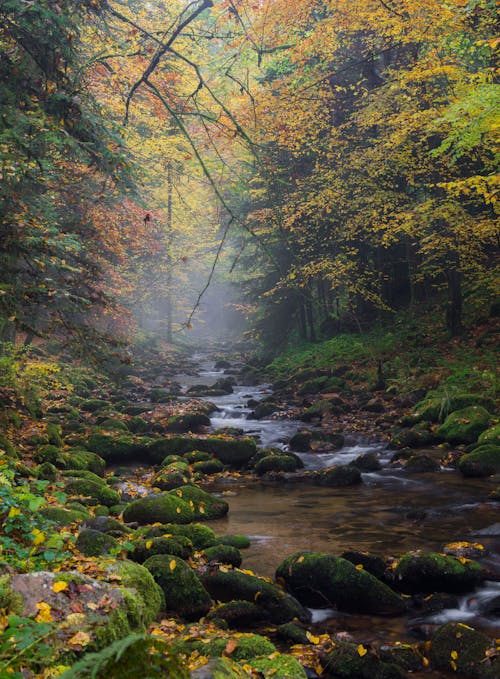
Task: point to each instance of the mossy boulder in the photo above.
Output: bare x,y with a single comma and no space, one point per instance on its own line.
46,471
178,545
112,424
262,410
64,517
319,410
158,508
188,422
293,632
54,434
238,614
49,453
483,461
83,474
278,665
231,585
184,593
464,426
77,458
338,476
369,562
233,452
117,448
437,408
197,456
351,661
94,543
405,656
433,572
368,462
418,464
323,580
491,436
89,488
199,535
247,646
133,575
301,441
173,475
238,541
277,463
208,467
220,668
224,554
456,647
106,524
204,506
92,405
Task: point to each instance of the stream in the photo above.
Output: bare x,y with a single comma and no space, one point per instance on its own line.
391,513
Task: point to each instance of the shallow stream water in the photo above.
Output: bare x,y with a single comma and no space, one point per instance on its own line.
282,518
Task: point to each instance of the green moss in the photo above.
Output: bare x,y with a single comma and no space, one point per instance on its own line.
279,665
483,461
178,545
10,602
92,405
46,471
469,645
63,517
238,541
111,448
138,425
54,434
323,580
139,578
233,452
159,508
173,475
99,491
437,408
199,535
101,510
224,554
48,453
188,422
184,593
204,505
248,646
276,463
237,614
94,543
464,426
344,662
197,456
211,466
339,476
83,474
111,423
405,656
236,585
491,436
76,458
436,572
418,464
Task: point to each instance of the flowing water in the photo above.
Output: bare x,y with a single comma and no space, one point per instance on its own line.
391,513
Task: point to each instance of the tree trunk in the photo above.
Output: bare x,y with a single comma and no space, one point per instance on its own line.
454,310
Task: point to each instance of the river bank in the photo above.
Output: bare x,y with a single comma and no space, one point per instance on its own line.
389,511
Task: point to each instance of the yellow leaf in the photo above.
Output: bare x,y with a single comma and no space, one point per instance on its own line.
300,559
44,612
454,655
149,544
59,586
312,638
173,565
223,569
38,537
79,639
362,650
178,510
359,566
13,511
453,665
201,509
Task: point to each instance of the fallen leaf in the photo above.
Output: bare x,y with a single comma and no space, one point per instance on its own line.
231,645
44,612
59,586
362,650
173,565
79,639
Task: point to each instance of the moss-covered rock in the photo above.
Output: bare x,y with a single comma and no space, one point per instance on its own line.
437,408
323,580
173,475
83,474
247,646
98,491
233,452
277,463
105,524
456,647
46,471
491,436
197,456
220,668
339,476
433,572
369,562
64,517
224,554
159,508
117,448
368,462
293,632
262,410
92,405
200,536
211,466
54,434
346,661
94,543
188,422
278,665
138,577
49,453
464,426
232,585
138,425
204,505
178,545
483,461
77,458
418,464
184,593
238,614
113,424
238,541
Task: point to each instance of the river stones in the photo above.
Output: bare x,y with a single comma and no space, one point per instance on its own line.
464,426
172,475
432,572
418,464
204,506
352,661
116,447
491,435
224,554
437,408
483,461
178,545
159,508
323,580
238,614
200,536
233,452
133,575
184,593
94,543
277,463
368,462
339,476
188,422
96,490
228,585
459,648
